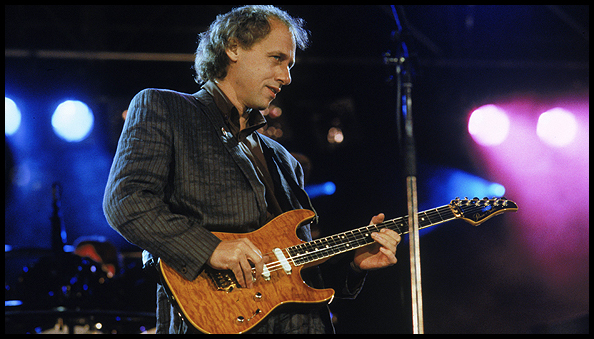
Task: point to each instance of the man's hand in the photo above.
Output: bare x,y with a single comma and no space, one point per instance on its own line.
380,254
236,255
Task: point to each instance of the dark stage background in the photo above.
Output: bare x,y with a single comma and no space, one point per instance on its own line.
518,273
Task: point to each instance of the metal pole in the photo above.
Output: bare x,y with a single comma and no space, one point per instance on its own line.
413,220
407,144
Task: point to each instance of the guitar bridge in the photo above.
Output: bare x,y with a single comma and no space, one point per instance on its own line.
223,280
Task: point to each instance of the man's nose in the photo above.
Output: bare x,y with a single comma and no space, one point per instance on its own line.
284,77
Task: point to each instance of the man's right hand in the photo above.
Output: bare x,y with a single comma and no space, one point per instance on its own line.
236,255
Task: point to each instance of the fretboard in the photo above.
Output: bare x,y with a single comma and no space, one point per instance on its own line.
346,241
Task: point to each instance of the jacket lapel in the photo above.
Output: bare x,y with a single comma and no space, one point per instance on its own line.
232,146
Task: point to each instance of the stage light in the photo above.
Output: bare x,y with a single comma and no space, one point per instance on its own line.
496,189
557,127
316,190
335,135
489,125
550,184
12,117
448,183
72,120
460,183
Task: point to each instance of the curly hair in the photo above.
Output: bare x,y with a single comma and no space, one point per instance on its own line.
246,25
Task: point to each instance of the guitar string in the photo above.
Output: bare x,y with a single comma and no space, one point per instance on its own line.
276,265
352,238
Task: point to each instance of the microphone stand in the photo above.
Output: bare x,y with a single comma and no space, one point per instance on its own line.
58,234
402,63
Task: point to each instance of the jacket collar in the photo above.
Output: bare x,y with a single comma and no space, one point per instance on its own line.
230,114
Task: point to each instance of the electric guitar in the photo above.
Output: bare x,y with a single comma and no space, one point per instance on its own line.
215,303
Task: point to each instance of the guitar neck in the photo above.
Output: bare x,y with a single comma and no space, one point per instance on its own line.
346,241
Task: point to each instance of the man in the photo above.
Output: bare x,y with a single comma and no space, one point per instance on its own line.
188,165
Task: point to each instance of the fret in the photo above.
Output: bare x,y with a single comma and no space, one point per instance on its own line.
396,225
424,219
403,225
374,228
357,238
333,241
446,213
435,216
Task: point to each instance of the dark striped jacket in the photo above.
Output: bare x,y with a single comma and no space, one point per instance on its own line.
178,174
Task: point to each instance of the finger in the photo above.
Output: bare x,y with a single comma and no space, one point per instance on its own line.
385,240
238,272
393,234
259,266
378,219
391,256
246,272
254,255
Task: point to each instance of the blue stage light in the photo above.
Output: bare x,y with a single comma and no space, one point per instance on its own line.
461,184
496,190
12,117
316,190
444,184
72,120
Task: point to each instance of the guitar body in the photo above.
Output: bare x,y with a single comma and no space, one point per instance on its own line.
213,310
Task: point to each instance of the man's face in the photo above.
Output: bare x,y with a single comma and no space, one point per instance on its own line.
257,74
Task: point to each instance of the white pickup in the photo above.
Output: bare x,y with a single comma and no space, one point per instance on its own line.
265,273
283,261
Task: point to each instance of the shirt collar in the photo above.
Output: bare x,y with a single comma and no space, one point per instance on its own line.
231,115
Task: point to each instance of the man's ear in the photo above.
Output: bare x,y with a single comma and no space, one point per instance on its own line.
232,50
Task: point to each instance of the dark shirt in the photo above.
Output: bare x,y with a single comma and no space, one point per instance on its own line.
248,142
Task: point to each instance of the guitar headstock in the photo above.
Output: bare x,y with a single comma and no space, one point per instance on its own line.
476,211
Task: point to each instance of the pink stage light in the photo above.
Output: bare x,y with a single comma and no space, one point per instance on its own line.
550,233
557,127
489,125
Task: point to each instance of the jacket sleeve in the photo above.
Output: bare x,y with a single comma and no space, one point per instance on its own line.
338,274
136,196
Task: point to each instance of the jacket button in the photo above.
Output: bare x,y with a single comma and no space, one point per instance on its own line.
184,270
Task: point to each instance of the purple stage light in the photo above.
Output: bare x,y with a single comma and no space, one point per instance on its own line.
557,127
489,125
